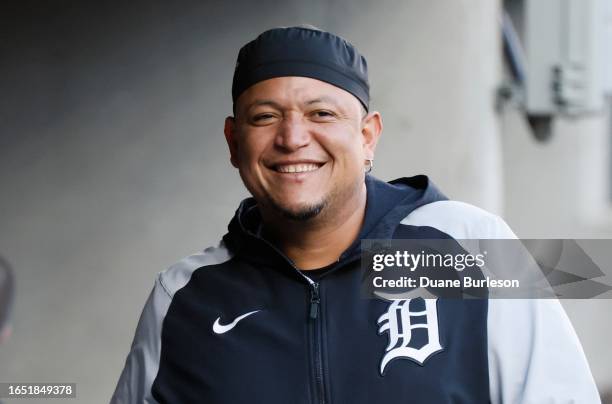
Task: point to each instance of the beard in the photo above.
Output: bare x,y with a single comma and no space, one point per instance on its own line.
302,213
326,207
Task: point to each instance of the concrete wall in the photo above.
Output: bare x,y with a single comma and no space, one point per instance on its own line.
113,164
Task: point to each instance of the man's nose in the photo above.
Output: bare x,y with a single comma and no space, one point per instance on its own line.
293,133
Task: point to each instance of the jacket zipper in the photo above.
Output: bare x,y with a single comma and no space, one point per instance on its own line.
315,300
315,308
315,303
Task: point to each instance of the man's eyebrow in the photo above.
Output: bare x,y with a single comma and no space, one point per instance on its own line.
258,103
274,104
329,100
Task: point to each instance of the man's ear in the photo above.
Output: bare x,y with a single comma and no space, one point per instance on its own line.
230,136
371,130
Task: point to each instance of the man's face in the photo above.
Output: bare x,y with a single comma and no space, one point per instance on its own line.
300,145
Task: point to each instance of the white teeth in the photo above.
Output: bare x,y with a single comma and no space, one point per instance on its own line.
296,168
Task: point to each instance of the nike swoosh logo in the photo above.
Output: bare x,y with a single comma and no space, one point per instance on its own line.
223,328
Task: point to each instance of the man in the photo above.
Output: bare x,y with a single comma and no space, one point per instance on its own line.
274,314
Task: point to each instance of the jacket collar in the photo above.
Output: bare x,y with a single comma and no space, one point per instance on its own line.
387,204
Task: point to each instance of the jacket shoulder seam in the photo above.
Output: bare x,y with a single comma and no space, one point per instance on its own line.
178,275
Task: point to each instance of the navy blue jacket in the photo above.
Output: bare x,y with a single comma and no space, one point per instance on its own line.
239,323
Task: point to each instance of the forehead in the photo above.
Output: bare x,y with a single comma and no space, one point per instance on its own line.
296,91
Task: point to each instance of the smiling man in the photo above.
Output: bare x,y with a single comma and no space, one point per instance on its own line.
274,314
300,145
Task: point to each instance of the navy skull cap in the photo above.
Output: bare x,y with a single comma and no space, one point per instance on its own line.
305,52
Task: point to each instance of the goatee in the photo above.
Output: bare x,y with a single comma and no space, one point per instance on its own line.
303,213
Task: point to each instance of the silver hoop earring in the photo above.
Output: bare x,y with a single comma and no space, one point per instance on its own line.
369,165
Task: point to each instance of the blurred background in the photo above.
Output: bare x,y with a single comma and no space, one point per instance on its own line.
113,163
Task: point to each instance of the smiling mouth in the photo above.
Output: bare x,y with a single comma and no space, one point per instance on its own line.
297,168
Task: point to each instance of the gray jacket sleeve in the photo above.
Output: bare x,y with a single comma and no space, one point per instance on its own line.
142,362
534,353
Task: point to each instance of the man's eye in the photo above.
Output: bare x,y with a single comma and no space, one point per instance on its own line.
262,117
323,114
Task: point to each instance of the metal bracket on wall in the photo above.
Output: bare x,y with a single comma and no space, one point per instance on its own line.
512,92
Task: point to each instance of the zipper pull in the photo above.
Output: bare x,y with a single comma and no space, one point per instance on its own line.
314,300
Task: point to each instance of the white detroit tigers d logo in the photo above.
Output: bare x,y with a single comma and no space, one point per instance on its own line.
397,321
